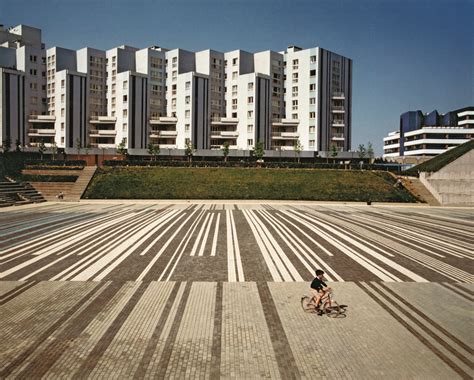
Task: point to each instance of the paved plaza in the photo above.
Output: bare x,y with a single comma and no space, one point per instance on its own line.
212,290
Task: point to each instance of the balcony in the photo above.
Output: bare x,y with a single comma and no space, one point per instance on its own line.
338,137
103,146
42,119
285,122
163,120
224,120
102,133
224,134
338,109
158,134
285,135
338,123
338,95
41,132
103,120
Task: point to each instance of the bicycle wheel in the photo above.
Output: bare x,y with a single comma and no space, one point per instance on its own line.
305,304
332,309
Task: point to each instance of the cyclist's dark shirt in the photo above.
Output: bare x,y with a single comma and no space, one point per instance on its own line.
318,284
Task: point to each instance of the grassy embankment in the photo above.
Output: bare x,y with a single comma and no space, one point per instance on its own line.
237,183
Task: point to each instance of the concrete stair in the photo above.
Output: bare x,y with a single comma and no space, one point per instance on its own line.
18,193
81,184
72,190
417,188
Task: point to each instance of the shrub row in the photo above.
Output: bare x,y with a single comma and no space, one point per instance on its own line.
48,163
45,178
50,167
237,164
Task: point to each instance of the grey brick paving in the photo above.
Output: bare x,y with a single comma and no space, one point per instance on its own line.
234,314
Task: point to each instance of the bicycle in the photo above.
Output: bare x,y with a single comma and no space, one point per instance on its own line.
327,304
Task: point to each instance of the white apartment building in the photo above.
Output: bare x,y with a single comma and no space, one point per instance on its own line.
169,97
429,134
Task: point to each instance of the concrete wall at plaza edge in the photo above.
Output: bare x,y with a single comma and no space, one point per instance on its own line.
454,183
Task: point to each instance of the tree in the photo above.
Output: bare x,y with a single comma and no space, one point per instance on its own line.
41,148
153,150
334,152
189,150
258,150
18,145
54,149
370,150
6,145
78,146
225,150
88,148
361,151
298,148
121,148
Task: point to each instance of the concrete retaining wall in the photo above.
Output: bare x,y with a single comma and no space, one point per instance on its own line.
454,183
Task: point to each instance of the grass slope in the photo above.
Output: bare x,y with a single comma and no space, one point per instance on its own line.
233,183
438,162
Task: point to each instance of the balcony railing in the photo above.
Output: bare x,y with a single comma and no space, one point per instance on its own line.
338,108
103,132
338,95
338,122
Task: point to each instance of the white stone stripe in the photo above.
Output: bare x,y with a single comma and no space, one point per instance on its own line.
206,235
370,251
424,239
27,246
153,242
110,268
311,256
163,248
230,250
116,254
238,259
88,259
265,237
216,234
123,249
429,262
198,238
266,255
354,255
44,253
287,268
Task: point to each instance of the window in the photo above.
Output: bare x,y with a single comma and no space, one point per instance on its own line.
187,99
294,91
62,126
295,77
294,116
62,98
125,85
234,61
124,127
187,127
125,98
312,87
312,115
62,140
187,86
250,87
250,142
234,75
250,128
62,112
125,113
312,100
312,129
175,59
312,59
250,99
312,73
250,114
187,114
295,105
311,143
295,62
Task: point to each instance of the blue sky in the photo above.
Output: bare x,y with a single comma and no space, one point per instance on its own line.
408,54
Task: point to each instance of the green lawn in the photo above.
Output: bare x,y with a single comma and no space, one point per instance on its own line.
244,183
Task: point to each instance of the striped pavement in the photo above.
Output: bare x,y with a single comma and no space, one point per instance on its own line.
212,291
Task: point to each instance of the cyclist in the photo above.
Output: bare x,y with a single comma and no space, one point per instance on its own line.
319,289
